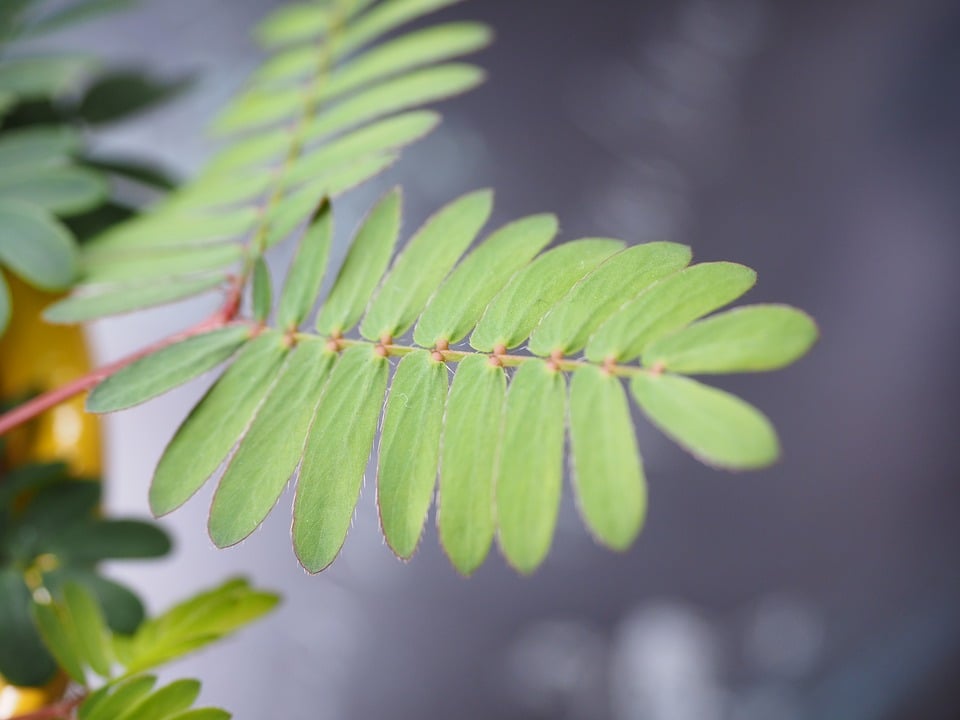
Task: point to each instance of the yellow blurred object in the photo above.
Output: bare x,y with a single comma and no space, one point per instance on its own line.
35,357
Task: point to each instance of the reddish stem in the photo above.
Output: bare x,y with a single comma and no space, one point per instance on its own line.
41,403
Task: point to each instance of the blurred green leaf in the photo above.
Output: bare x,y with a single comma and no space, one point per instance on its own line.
63,190
91,629
33,147
59,634
24,660
124,93
35,246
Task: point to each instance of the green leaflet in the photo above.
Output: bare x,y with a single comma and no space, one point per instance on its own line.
166,369
716,427
202,714
196,623
336,454
568,326
401,93
607,471
667,306
471,431
410,449
94,302
423,264
216,191
151,264
63,190
37,147
751,338
261,291
363,267
79,12
164,229
293,22
306,273
415,49
34,78
96,540
91,629
381,19
161,704
460,301
530,294
35,246
270,451
391,134
60,636
108,703
529,479
213,427
123,610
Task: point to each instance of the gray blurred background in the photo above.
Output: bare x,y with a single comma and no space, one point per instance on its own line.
818,142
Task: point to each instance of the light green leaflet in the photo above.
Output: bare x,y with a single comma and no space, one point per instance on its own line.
294,22
104,706
169,700
716,427
163,229
517,309
746,339
60,189
97,301
35,246
471,431
92,634
390,134
336,454
460,301
607,470
60,636
410,449
36,147
667,306
568,326
381,19
424,263
216,192
529,479
307,271
213,427
401,93
250,487
363,267
149,264
166,369
261,291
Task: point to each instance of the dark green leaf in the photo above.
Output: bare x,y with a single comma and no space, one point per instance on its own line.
59,634
529,479
35,246
336,454
410,449
124,93
109,540
24,660
166,369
